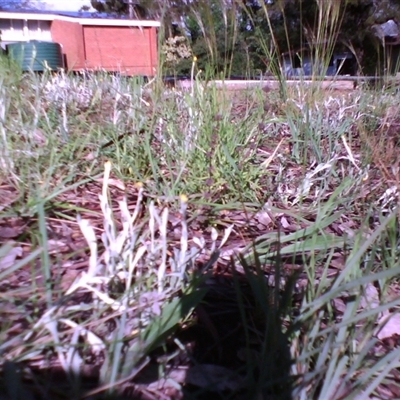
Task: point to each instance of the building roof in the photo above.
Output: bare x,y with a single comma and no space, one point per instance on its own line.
84,18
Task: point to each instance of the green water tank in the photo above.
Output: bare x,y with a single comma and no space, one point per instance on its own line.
36,55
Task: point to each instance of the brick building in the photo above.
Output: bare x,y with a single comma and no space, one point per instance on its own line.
119,45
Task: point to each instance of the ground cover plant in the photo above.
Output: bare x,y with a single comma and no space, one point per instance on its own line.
167,243
176,243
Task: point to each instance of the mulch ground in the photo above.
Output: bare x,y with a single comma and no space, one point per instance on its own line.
216,341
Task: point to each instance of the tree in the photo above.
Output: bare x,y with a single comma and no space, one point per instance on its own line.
233,36
120,7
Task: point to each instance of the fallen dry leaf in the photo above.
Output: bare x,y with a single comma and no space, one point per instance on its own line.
263,218
284,222
9,233
90,156
9,259
56,246
390,328
370,297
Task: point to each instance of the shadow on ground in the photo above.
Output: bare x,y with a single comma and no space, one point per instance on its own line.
234,350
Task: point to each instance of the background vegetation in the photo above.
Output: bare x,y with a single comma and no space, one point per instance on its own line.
241,37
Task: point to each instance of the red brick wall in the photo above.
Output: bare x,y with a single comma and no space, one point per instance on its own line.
70,36
130,50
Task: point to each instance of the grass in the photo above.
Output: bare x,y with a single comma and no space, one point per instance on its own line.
163,243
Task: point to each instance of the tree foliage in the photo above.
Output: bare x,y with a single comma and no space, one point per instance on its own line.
235,36
120,8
